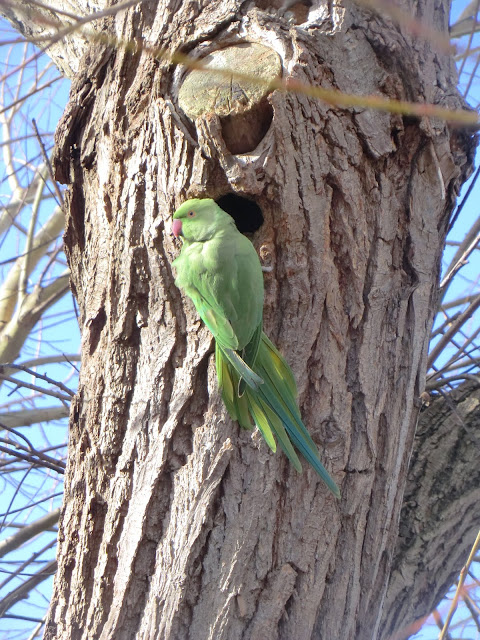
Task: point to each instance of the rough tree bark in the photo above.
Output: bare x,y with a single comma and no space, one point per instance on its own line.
175,523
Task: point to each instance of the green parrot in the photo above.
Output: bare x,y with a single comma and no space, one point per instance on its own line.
219,269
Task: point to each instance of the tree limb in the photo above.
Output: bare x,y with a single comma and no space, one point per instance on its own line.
440,516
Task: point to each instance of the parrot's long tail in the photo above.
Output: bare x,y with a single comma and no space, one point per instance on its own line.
272,405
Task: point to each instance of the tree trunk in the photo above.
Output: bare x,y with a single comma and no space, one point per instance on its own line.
177,524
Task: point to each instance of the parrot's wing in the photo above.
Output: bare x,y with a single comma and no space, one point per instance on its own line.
214,317
223,277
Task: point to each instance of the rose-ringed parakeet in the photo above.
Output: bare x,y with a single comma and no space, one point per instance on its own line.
219,269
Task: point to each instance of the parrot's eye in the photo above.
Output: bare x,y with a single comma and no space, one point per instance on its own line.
191,214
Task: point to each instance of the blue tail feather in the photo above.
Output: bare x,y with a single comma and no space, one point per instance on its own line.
272,403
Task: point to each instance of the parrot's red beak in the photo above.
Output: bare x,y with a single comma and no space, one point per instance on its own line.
177,228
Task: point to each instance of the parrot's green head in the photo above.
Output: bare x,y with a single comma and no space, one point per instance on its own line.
199,220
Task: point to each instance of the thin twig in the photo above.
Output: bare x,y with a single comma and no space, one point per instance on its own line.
288,85
31,504
34,460
20,384
459,263
462,318
48,163
463,574
40,376
24,589
39,454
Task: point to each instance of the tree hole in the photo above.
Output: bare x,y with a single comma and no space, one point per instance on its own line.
243,132
246,213
241,103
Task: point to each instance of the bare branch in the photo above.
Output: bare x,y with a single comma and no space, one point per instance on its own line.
50,231
24,589
461,582
27,385
29,532
35,460
16,331
27,417
461,256
40,376
456,325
